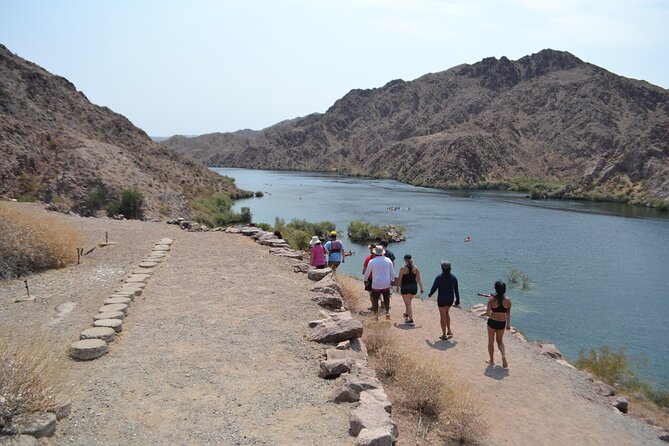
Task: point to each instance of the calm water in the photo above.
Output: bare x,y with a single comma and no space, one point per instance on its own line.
599,272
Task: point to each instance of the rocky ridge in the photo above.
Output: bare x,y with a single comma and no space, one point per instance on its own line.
549,116
59,147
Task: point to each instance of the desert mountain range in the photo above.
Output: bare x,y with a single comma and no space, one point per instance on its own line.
58,147
549,117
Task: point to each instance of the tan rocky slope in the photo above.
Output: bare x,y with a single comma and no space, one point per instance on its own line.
546,116
58,146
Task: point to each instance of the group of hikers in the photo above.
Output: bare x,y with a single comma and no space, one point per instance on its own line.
379,275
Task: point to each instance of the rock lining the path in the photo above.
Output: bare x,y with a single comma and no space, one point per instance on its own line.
336,331
109,315
318,274
114,307
115,324
88,349
117,300
107,334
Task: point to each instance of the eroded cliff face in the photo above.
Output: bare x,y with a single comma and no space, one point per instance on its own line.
58,146
547,116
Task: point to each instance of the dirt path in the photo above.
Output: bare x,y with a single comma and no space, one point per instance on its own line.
213,352
535,402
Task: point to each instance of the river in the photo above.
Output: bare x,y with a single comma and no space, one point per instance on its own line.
599,272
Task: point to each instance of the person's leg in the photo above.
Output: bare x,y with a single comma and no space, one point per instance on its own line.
500,345
491,345
386,302
443,312
407,305
375,303
448,322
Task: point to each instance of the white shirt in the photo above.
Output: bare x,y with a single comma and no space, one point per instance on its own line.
382,271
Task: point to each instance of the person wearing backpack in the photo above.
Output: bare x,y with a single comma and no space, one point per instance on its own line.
336,251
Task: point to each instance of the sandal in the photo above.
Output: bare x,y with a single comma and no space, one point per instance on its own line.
443,337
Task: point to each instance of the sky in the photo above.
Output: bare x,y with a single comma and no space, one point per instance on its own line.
198,66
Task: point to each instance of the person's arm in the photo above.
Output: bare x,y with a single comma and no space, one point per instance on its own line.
419,279
367,270
435,285
508,316
391,271
457,292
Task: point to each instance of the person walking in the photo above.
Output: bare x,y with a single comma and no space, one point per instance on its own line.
368,281
318,253
408,282
336,251
380,268
499,318
388,253
447,284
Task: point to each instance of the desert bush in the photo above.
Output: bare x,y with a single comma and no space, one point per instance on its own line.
94,200
298,232
425,389
130,204
33,372
354,294
34,242
216,210
361,232
245,215
264,226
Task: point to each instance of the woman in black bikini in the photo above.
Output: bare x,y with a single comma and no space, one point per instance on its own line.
408,283
499,318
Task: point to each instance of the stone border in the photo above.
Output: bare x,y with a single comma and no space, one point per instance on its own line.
93,343
345,353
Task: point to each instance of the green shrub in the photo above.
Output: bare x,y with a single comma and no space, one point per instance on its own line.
245,215
94,200
361,232
130,204
518,279
216,210
298,232
264,226
259,194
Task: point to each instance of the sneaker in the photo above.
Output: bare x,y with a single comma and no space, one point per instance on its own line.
410,322
387,316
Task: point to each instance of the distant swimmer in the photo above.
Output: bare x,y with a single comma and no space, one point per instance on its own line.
468,239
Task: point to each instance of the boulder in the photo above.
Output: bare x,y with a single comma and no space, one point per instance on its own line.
148,271
376,397
148,264
621,403
109,315
165,241
137,278
18,440
378,436
344,345
114,307
318,274
334,368
233,230
353,385
663,435
327,300
107,334
301,267
117,300
115,324
88,349
550,350
249,230
371,417
161,248
36,424
267,236
327,286
290,254
127,294
336,331
276,242
316,323
604,389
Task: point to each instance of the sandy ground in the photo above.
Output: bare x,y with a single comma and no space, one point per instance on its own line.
214,352
536,401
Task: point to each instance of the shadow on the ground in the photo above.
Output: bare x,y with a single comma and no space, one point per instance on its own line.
496,372
441,344
407,327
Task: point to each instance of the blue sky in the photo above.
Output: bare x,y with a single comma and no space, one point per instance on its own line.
193,67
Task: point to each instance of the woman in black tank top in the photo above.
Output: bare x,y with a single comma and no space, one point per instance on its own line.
408,282
499,318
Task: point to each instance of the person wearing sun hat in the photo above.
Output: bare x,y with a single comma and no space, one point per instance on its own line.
383,276
318,253
335,249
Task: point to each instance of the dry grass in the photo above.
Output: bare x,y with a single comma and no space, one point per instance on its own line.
354,292
30,244
441,405
33,372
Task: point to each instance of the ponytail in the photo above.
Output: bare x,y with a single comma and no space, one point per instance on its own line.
500,289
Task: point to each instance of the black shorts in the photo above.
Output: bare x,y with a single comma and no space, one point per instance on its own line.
409,288
376,294
334,263
496,325
445,302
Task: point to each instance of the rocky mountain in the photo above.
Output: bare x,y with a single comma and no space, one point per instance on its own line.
549,120
58,147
